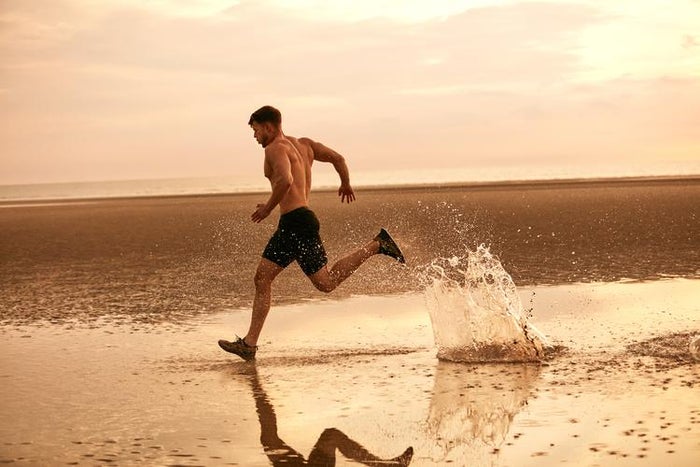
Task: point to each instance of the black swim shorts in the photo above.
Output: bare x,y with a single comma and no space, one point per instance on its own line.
297,238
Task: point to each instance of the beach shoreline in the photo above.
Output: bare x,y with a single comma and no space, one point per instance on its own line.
411,187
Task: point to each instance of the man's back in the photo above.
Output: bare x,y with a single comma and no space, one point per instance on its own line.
307,156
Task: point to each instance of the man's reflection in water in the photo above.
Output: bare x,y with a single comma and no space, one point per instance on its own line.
323,452
473,407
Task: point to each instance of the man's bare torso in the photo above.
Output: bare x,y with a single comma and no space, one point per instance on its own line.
301,157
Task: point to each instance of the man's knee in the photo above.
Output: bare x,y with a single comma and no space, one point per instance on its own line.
323,281
261,280
324,286
331,436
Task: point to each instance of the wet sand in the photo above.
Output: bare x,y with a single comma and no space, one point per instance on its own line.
360,375
171,259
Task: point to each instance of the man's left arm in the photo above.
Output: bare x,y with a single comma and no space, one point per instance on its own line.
323,153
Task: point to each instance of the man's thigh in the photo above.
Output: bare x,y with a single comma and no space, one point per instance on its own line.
267,271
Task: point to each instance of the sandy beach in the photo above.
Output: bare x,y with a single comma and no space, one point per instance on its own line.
102,372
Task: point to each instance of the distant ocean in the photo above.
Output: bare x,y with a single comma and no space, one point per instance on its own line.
325,178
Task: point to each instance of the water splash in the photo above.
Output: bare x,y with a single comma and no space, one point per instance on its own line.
476,312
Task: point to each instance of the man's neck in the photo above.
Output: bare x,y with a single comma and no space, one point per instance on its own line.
277,136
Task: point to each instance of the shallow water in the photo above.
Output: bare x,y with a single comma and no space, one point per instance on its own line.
366,367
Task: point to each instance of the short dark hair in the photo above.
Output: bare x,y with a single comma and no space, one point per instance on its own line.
266,114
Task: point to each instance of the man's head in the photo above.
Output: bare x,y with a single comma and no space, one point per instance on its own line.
266,123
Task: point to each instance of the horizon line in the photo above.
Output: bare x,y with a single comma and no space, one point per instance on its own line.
489,184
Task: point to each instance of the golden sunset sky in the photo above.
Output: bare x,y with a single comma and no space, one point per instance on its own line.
132,89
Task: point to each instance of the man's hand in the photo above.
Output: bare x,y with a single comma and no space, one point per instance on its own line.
346,194
261,213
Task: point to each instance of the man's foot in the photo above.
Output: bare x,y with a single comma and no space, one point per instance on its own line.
387,246
240,348
404,459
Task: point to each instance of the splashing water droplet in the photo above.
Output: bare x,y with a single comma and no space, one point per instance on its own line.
476,312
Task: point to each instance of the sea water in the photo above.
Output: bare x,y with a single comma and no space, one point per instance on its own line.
476,313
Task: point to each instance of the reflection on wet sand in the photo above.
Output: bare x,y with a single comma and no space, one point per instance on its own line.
323,453
473,406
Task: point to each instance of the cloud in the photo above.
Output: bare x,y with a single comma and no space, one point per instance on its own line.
106,92
690,42
247,40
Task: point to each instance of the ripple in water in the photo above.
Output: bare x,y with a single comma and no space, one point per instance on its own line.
476,313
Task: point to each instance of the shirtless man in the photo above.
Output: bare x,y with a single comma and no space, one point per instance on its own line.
288,163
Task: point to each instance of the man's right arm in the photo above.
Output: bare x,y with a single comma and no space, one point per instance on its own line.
280,178
323,153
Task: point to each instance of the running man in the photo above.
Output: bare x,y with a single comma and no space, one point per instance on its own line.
288,163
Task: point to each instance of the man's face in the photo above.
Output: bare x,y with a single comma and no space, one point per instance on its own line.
262,133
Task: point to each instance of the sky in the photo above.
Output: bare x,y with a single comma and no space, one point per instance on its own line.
96,90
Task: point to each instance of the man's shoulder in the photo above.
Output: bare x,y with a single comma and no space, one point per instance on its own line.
303,145
302,141
279,144
283,147
276,148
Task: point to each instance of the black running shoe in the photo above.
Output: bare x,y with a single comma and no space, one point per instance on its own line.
387,246
404,459
240,348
